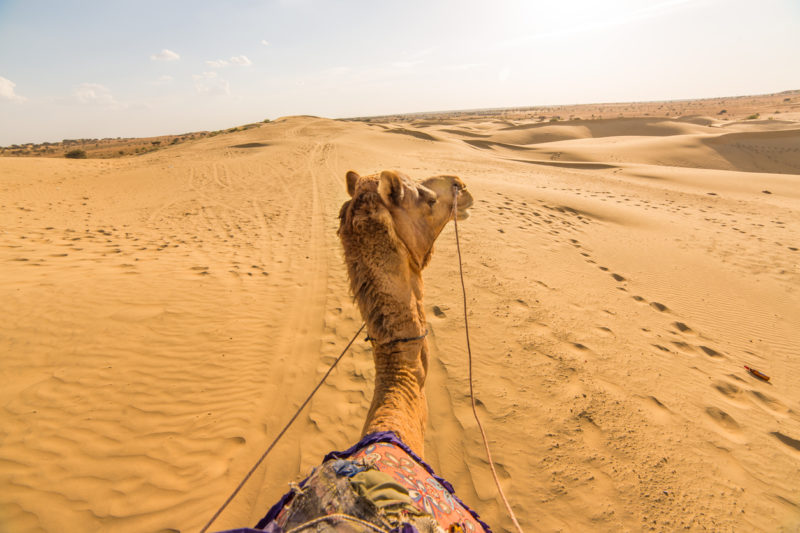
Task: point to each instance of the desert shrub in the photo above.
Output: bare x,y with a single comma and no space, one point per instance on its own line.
155,143
722,111
753,117
76,154
265,120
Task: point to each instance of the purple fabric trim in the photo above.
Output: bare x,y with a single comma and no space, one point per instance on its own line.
242,530
366,440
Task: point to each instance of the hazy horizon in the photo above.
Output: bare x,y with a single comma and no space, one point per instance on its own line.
95,70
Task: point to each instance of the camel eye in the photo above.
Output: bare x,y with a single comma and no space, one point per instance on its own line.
431,202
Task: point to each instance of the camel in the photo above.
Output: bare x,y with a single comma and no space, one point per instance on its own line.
387,230
381,483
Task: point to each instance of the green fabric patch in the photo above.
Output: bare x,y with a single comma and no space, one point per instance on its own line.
381,489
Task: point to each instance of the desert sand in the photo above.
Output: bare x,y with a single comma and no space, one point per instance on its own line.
163,316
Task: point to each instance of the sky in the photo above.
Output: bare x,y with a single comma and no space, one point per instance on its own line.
111,68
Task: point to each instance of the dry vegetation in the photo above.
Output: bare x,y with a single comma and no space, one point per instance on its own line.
767,106
110,147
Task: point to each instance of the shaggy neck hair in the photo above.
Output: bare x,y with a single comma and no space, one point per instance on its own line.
385,278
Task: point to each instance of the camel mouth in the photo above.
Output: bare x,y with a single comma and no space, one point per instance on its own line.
465,201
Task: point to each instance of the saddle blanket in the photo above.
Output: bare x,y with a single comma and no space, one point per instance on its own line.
379,484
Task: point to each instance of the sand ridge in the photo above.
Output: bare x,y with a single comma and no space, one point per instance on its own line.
165,314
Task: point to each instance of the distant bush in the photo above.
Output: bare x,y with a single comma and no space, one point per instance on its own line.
155,143
753,117
722,111
265,120
76,154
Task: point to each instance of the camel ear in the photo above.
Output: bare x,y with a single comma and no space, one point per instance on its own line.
391,188
352,179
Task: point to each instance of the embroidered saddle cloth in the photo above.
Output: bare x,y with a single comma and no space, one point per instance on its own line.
378,485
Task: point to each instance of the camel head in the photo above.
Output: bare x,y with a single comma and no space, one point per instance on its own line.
414,211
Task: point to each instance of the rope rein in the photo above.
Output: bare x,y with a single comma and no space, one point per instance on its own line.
469,353
274,442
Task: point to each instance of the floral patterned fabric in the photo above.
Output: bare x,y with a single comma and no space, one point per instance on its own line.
427,493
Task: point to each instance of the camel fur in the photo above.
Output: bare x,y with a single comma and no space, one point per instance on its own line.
387,229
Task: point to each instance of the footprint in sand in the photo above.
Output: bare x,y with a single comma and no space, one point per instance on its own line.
787,440
617,277
657,411
724,421
770,403
683,347
659,306
604,331
731,391
711,352
683,328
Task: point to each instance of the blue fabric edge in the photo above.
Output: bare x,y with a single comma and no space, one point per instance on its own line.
367,440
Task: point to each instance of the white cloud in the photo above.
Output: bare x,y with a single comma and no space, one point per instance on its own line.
211,84
265,42
242,61
163,80
406,64
94,94
463,66
219,63
165,55
7,91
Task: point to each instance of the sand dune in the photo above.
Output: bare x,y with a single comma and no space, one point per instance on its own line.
165,314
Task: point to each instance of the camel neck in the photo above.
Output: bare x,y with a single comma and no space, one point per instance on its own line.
398,402
396,316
